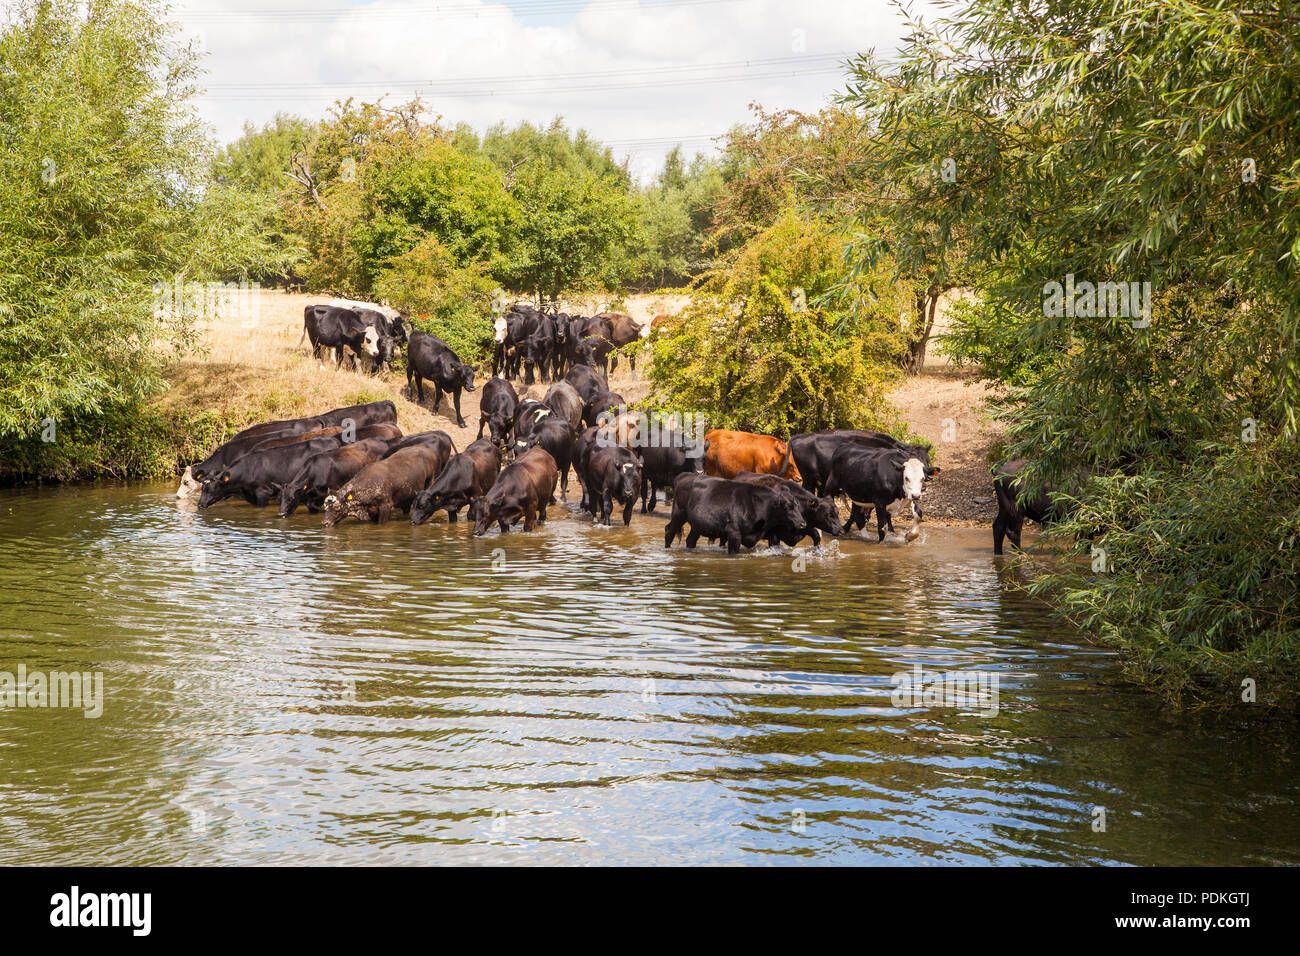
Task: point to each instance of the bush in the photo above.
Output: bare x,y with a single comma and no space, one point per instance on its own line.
442,298
759,349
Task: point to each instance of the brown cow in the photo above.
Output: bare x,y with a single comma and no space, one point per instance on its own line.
523,489
729,453
626,330
380,487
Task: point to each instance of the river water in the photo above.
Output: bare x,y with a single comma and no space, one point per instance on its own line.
275,692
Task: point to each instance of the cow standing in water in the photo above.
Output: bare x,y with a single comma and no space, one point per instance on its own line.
879,477
1012,512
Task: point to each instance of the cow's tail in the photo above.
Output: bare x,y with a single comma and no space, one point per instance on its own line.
304,332
454,449
785,462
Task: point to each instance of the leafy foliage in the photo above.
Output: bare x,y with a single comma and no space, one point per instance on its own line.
753,351
1110,143
102,194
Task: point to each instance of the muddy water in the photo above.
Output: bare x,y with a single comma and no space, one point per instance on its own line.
275,692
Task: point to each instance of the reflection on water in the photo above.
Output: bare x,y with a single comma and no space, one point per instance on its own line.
280,693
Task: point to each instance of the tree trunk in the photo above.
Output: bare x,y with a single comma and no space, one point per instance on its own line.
927,303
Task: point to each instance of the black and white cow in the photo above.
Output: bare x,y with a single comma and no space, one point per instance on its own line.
879,477
329,327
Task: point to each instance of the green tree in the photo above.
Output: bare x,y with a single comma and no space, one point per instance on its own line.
1124,142
753,350
102,195
574,231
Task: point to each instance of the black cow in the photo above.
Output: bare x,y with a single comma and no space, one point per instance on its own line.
556,437
430,357
259,476
496,409
586,380
467,476
539,349
612,473
223,456
1012,512
738,512
563,399
663,462
603,402
527,414
326,472
524,489
820,514
328,326
878,476
598,333
813,452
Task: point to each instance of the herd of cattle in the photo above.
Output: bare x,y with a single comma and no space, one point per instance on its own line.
736,487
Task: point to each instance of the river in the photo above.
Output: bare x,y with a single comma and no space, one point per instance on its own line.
275,692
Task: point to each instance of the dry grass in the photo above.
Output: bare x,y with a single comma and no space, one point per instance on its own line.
257,374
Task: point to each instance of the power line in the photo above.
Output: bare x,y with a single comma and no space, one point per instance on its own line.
828,59
436,11
603,88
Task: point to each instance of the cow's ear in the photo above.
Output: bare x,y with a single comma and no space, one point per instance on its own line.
934,470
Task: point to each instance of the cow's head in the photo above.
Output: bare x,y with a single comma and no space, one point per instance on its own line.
424,505
629,480
334,509
826,516
466,374
385,349
291,495
190,486
499,325
480,512
913,479
370,344
216,489
401,334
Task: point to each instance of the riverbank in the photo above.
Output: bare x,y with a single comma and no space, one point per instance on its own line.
249,371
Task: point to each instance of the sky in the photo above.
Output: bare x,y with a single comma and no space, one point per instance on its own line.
639,75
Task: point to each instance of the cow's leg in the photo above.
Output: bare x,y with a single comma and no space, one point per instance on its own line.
419,389
692,538
384,512
338,358
815,535
451,515
999,530
1013,532
455,398
646,490
606,506
437,395
541,508
882,520
627,512
530,517
674,527
733,540
481,420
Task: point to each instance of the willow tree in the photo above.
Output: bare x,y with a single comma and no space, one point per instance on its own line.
103,193
1127,142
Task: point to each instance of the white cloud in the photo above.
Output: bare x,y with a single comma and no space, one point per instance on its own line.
637,74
